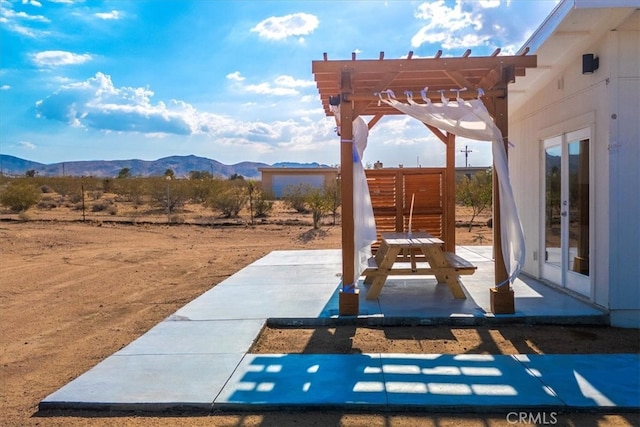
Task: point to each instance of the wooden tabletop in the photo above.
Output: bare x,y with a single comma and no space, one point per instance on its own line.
403,240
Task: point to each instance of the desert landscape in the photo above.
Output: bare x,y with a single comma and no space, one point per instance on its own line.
73,292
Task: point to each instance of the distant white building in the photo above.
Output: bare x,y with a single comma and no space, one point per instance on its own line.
276,180
575,169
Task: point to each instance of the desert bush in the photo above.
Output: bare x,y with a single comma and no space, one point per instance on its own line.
124,173
75,197
251,192
475,192
47,202
318,202
229,199
101,206
61,185
96,195
201,189
333,194
46,189
168,193
130,190
262,205
177,219
106,185
20,195
200,175
294,196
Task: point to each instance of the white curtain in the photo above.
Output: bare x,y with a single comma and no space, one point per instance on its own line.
364,221
470,119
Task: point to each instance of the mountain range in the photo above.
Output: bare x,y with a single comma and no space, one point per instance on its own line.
180,165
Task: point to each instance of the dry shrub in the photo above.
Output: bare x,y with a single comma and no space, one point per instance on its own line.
19,196
47,202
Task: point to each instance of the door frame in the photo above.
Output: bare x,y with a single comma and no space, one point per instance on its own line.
563,277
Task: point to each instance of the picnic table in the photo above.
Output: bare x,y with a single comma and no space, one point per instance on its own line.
415,253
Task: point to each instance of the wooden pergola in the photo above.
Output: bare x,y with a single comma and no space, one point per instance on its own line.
353,84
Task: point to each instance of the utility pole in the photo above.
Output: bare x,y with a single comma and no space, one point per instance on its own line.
466,152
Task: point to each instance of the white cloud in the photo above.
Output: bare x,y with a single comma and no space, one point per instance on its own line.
32,3
282,27
59,57
11,15
267,89
17,21
444,24
97,104
5,87
236,76
288,81
468,24
490,3
395,128
113,15
282,85
26,144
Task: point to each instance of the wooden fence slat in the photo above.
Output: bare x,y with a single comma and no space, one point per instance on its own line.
391,191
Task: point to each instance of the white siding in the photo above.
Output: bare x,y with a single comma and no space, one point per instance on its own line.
625,181
583,100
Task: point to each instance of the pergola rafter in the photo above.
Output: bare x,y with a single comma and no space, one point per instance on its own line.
354,84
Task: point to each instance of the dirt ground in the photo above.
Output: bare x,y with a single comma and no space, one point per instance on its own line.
73,293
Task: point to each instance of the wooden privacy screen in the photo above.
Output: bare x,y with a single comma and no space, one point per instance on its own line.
391,191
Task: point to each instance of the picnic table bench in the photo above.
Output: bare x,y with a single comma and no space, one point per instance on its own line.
446,266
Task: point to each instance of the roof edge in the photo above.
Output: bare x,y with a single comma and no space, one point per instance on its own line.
548,26
560,12
595,4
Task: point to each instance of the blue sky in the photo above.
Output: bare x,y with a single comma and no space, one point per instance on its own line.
227,80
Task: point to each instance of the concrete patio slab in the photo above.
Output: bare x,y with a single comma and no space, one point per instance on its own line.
186,360
148,383
273,275
464,382
588,381
297,257
287,299
430,382
311,380
196,337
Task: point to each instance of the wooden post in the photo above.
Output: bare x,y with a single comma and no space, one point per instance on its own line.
502,298
449,226
349,297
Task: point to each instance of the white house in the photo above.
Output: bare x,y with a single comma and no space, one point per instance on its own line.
575,167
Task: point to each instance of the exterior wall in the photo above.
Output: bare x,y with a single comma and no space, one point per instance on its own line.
624,177
578,104
575,101
275,180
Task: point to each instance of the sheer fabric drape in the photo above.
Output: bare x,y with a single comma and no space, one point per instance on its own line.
364,221
470,119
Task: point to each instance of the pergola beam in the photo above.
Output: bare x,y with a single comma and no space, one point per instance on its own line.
437,132
422,64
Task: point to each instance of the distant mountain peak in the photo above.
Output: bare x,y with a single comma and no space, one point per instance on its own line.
180,164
